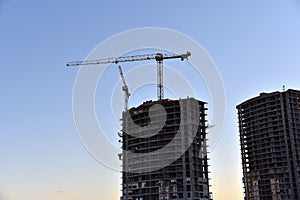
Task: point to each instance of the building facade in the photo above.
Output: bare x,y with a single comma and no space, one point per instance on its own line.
269,127
171,164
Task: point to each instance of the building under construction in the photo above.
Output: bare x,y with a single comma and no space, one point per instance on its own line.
171,164
269,126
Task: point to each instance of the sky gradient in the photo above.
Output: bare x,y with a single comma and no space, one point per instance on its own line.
254,44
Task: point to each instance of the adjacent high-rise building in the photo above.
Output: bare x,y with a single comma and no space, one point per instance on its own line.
269,127
164,151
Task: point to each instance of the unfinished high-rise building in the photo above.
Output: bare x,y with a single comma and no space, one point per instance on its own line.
164,151
269,127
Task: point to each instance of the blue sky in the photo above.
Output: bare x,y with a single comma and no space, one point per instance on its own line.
255,45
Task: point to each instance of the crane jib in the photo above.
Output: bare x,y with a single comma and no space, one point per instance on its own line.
158,57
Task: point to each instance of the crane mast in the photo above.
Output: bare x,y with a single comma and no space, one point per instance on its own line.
159,57
160,88
125,89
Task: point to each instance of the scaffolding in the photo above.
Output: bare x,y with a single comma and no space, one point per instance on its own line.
187,176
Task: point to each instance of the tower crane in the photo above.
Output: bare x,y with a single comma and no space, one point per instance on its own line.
159,57
125,89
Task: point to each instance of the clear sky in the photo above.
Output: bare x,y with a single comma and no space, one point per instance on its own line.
255,45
